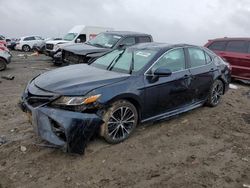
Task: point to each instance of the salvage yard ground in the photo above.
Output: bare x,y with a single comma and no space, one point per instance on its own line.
207,147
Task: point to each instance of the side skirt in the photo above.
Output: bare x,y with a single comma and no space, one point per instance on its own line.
174,112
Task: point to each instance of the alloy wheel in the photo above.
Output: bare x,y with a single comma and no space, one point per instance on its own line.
217,92
121,122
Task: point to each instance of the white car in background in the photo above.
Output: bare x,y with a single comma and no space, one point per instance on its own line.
27,43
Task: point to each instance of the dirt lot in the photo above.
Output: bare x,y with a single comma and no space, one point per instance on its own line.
207,147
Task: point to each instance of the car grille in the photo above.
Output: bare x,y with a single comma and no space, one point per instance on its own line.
49,46
36,100
73,58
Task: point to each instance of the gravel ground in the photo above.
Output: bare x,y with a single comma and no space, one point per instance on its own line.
207,147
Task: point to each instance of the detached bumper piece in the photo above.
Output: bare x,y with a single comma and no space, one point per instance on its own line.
65,129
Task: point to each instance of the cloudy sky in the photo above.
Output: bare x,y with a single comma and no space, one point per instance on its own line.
171,21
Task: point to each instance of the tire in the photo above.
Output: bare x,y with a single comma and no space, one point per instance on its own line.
120,122
3,64
26,48
215,93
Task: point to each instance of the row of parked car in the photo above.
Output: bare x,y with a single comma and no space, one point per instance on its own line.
84,44
119,79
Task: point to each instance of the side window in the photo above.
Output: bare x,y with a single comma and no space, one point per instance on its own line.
208,58
29,38
173,60
197,57
82,38
143,39
219,45
128,41
237,46
249,47
38,38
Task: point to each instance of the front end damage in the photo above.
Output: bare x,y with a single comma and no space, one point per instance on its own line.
69,130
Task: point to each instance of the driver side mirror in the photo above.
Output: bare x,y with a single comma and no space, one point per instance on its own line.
78,40
162,72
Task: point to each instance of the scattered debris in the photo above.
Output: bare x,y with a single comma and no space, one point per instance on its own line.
246,185
23,148
3,140
232,86
191,158
246,118
184,121
68,179
8,77
38,68
28,55
244,159
104,161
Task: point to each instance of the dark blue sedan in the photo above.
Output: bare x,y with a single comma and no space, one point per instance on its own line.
118,91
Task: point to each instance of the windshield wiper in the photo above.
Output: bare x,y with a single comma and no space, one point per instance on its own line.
112,64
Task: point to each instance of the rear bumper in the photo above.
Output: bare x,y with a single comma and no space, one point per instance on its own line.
64,129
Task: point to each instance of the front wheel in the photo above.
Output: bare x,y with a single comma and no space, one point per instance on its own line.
26,48
215,93
120,121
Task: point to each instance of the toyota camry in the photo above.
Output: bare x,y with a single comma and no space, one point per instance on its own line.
124,88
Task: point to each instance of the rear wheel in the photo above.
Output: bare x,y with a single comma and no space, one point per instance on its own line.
3,64
120,121
215,93
26,48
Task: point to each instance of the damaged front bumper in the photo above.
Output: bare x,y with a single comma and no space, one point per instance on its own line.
65,129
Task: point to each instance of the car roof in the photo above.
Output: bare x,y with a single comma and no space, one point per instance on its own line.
127,33
31,36
230,38
159,46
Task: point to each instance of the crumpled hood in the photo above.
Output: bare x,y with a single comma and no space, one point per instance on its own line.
77,80
57,41
84,49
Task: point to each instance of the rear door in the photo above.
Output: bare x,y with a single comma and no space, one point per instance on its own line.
202,71
237,53
218,47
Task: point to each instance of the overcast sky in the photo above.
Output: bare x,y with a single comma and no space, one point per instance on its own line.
171,21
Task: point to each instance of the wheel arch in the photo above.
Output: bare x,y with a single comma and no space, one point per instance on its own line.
133,99
223,81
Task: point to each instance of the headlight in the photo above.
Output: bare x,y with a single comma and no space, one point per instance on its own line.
76,101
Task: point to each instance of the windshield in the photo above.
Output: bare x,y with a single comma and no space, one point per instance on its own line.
105,40
125,61
69,36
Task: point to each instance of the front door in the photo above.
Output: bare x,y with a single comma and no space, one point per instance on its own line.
167,93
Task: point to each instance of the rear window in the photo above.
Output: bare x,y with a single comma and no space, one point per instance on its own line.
143,39
237,46
218,45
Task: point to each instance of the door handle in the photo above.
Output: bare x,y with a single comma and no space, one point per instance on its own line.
186,76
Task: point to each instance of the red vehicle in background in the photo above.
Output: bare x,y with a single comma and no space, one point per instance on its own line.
3,41
236,51
5,56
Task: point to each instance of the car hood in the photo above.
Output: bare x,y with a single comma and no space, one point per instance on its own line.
84,49
77,80
57,41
